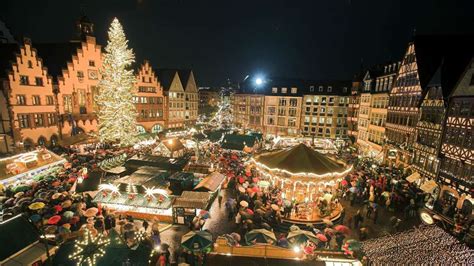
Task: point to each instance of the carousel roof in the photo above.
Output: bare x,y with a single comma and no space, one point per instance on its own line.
300,159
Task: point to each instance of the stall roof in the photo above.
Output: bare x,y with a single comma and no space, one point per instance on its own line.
173,144
211,182
160,162
300,159
238,142
179,176
19,233
429,186
139,200
198,168
413,177
19,164
117,170
192,199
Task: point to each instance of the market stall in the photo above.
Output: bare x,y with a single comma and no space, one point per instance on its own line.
143,194
307,180
188,205
25,166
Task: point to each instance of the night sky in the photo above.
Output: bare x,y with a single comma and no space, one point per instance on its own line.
318,39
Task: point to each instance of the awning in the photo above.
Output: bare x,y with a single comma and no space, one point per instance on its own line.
413,177
429,186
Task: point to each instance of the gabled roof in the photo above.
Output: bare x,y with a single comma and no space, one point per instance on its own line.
8,53
173,145
165,77
464,85
184,75
451,52
56,56
211,182
300,159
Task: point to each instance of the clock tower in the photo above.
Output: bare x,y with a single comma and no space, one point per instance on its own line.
84,27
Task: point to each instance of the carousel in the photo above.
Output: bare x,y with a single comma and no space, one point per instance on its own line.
307,180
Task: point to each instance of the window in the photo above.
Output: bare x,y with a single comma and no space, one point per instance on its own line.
316,99
270,121
39,120
67,103
284,90
323,100
321,120
49,100
311,88
344,89
329,89
294,90
320,88
39,81
292,112
24,80
36,100
91,63
293,102
331,99
274,90
51,119
20,100
80,74
24,121
30,64
82,97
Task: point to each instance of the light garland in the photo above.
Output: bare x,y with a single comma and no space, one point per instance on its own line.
150,192
111,187
302,174
89,249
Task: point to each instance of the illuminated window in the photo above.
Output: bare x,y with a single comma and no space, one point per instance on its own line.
36,100
49,100
67,103
39,120
24,80
24,121
20,100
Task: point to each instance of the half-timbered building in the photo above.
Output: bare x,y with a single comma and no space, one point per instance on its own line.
457,147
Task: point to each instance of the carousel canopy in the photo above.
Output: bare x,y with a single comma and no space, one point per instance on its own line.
300,159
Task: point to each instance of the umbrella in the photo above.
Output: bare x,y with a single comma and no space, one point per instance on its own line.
50,229
54,219
294,228
236,236
58,208
196,240
301,236
353,244
56,195
275,207
204,214
342,228
241,189
66,204
344,182
322,237
266,226
68,214
260,236
35,217
249,211
91,212
243,203
36,206
353,189
19,194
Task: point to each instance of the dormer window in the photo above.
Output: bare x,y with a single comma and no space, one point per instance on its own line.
294,90
344,89
329,89
320,88
274,90
284,90
311,88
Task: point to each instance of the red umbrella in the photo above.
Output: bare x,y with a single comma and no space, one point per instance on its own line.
342,228
248,173
58,208
322,237
255,189
249,211
54,219
241,180
344,182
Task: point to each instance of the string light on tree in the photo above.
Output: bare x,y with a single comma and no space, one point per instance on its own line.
117,114
88,250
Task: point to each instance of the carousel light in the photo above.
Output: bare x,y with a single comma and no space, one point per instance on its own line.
296,249
88,250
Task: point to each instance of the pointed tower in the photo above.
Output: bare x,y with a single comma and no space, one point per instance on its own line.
84,27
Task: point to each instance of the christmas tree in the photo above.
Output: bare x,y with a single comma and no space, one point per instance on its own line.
117,114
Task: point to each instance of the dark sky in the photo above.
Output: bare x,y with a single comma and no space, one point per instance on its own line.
318,39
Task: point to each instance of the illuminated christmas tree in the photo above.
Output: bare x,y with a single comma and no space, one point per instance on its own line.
117,114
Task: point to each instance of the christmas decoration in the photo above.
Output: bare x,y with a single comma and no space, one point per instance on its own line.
117,114
88,250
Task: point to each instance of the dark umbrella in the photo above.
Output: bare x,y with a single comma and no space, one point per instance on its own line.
260,236
196,240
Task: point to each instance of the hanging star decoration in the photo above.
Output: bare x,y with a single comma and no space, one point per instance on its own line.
89,249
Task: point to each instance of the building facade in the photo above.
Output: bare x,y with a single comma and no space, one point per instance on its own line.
191,97
28,100
457,147
209,96
149,100
248,111
282,111
324,110
353,107
174,97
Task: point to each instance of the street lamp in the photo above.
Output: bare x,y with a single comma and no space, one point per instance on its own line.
258,81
